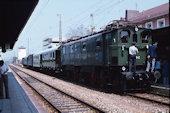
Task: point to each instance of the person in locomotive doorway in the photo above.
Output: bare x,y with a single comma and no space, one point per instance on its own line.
4,79
133,50
152,55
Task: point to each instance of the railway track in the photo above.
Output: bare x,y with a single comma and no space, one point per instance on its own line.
61,101
151,97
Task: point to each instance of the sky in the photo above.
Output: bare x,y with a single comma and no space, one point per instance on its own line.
44,21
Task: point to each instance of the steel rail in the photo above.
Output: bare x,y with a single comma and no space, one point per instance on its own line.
79,100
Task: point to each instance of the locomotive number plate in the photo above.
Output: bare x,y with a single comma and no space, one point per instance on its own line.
137,57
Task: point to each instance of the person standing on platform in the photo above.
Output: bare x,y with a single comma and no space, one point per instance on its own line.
0,83
152,55
133,50
4,79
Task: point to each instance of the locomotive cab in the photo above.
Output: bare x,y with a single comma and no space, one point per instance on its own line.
121,41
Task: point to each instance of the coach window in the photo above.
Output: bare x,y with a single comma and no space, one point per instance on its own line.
71,48
124,35
53,55
64,50
84,46
145,35
50,55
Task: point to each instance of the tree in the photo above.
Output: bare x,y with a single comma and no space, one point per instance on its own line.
78,32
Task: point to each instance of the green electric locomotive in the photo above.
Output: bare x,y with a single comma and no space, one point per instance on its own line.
102,58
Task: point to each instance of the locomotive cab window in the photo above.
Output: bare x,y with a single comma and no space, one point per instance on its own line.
124,35
145,35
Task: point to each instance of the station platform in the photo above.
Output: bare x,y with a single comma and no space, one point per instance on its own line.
18,102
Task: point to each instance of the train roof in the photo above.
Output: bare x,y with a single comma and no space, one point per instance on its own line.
109,29
90,36
47,50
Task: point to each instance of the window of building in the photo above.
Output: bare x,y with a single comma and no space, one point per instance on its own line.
161,22
140,25
149,25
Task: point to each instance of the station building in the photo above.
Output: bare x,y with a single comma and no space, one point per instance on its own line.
157,17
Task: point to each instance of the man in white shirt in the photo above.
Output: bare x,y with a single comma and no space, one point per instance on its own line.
3,79
132,56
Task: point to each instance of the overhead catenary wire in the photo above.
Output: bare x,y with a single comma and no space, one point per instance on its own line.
97,12
85,17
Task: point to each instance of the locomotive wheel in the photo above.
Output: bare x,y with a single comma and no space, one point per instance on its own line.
101,79
67,74
79,76
74,75
92,79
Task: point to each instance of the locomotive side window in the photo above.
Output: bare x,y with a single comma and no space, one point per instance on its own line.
98,42
124,36
145,35
84,46
75,47
108,35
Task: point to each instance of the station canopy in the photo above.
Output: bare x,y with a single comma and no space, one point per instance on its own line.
14,15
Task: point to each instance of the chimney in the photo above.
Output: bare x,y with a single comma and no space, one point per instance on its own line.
130,14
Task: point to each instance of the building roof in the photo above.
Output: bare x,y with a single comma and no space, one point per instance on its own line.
151,13
14,16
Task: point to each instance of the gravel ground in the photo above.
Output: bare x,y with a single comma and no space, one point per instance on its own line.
109,102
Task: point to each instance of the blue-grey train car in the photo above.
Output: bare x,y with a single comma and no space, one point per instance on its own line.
30,60
37,60
24,61
51,59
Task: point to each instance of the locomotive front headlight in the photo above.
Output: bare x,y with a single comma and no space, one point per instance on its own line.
147,46
123,68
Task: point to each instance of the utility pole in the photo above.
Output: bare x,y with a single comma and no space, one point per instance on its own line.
28,45
60,30
92,23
